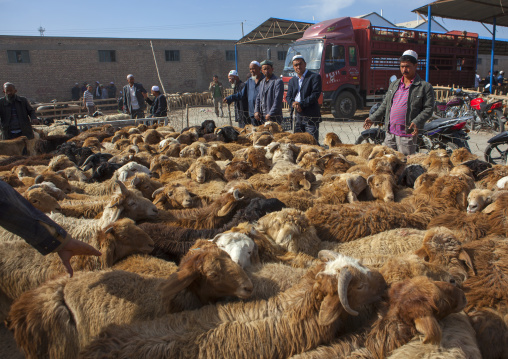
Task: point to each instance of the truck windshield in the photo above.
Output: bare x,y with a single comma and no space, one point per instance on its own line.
311,52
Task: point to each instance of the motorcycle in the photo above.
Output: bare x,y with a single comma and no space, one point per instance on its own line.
487,116
442,133
450,108
496,151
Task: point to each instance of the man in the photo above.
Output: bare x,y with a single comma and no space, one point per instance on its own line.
303,95
500,78
97,92
16,114
111,89
18,216
241,114
88,100
477,80
249,93
159,103
217,94
75,92
133,98
104,93
408,104
269,100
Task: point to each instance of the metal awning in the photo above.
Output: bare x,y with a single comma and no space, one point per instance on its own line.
276,31
472,10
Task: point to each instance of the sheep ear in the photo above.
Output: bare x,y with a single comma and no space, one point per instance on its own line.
463,256
430,328
226,209
370,179
188,173
351,197
330,309
422,253
490,208
122,187
177,282
305,184
135,181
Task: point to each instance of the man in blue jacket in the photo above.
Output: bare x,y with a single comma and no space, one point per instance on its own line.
159,103
269,100
303,95
133,99
248,94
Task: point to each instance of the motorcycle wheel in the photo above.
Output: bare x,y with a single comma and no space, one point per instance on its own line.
500,124
368,139
496,153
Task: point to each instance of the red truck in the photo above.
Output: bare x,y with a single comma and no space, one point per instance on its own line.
356,60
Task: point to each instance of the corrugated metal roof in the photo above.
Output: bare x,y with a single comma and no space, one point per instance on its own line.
472,10
276,31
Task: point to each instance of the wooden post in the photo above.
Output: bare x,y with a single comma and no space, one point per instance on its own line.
187,111
229,111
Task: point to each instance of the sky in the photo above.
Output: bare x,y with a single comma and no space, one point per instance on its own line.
194,19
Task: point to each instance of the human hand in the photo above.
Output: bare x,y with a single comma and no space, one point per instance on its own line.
368,123
415,129
73,248
267,117
224,100
257,117
145,95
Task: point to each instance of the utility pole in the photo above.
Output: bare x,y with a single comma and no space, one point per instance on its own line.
242,28
41,30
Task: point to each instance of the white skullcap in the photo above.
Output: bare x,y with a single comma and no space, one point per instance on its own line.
296,57
255,63
155,88
130,75
233,73
410,53
76,83
111,83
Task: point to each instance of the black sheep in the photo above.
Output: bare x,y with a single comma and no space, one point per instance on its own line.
104,172
95,160
227,134
410,174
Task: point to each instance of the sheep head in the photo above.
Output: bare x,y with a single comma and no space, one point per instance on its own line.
478,199
173,196
121,239
343,280
239,246
382,186
422,301
42,200
128,204
210,273
57,179
145,184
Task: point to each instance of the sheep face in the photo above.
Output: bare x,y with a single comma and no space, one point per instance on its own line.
41,200
131,205
145,184
239,246
478,199
174,196
57,179
75,174
382,186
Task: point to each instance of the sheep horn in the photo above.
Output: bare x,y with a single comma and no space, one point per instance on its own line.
345,278
157,191
135,181
34,187
39,179
122,186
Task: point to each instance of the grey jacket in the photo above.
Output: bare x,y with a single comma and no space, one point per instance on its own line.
420,104
26,114
269,99
139,96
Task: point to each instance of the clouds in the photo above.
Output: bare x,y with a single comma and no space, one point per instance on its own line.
324,9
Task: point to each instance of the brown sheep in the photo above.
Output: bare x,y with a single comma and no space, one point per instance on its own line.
219,152
461,155
152,137
176,196
57,179
332,164
488,178
299,138
60,162
438,161
42,200
204,169
344,188
332,140
187,137
146,185
238,169
382,187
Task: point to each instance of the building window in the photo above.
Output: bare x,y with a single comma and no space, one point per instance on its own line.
495,61
107,56
281,55
230,55
172,55
479,61
18,56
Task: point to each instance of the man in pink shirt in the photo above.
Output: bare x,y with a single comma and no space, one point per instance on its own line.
406,107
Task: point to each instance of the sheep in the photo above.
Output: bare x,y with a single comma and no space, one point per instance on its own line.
461,155
491,332
318,306
176,196
479,198
152,137
60,162
382,186
204,169
332,140
57,179
22,268
219,152
50,188
146,185
488,178
42,200
346,187
194,150
408,177
299,138
238,169
18,146
332,164
205,275
129,170
239,246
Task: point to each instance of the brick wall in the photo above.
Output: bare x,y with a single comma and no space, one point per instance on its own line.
56,63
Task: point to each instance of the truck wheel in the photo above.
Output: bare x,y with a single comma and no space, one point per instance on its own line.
344,106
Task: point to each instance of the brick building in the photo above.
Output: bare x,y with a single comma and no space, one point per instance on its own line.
45,68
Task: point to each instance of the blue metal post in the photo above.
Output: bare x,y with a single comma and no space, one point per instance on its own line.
236,58
492,54
429,20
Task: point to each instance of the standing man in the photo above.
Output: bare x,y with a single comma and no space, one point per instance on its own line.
249,93
500,78
111,89
88,100
159,103
217,94
241,105
406,107
16,114
97,93
133,98
303,95
269,100
75,92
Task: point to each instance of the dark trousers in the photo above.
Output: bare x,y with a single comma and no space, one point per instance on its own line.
307,124
139,113
15,135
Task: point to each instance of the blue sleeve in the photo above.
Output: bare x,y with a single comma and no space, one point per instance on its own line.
237,96
18,216
279,95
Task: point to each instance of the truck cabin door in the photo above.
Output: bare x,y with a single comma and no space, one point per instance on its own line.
353,72
334,67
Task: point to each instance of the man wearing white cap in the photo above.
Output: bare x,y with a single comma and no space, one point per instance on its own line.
159,103
303,95
406,107
249,93
240,106
133,98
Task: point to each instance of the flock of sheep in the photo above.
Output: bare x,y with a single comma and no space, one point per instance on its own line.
256,243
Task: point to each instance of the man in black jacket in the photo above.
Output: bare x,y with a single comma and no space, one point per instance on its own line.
159,103
16,114
303,95
133,98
